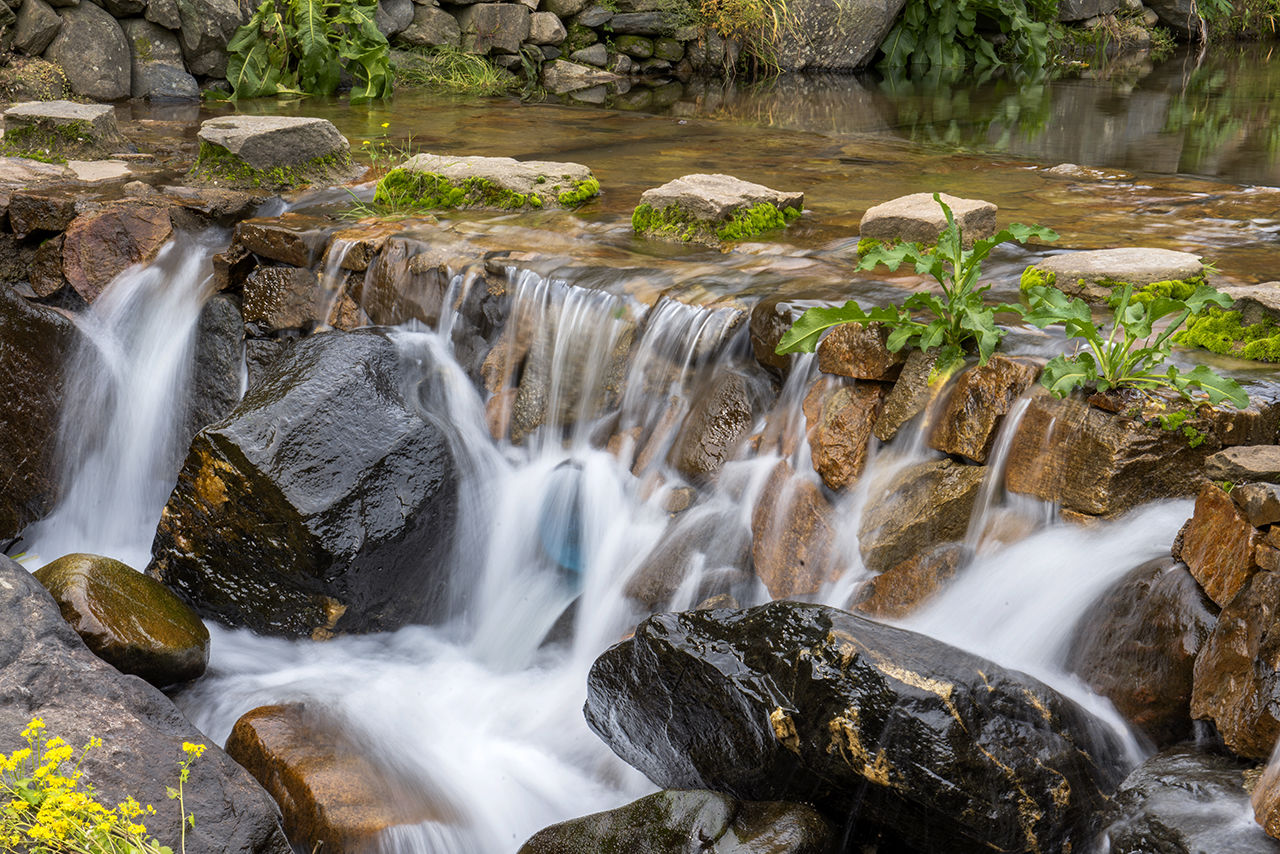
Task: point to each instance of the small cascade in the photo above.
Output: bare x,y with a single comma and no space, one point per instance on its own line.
999,516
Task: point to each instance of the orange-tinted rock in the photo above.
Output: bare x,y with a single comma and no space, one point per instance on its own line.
294,239
899,590
977,405
359,246
30,212
232,267
46,267
793,536
1137,647
1218,545
1237,681
1246,462
918,509
1267,557
1266,800
858,351
1097,462
1256,424
102,244
331,796
840,418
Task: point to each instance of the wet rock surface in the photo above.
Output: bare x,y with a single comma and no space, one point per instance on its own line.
101,244
322,503
715,425
909,396
1250,462
858,351
978,403
873,725
714,544
1218,545
919,218
840,419
793,530
217,365
901,589
46,671
920,507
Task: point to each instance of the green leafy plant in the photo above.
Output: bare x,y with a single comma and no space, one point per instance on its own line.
956,34
956,321
300,47
1132,354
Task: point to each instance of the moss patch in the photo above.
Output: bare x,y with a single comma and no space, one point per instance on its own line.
1177,288
674,223
1221,331
582,190
403,191
215,165
33,79
53,142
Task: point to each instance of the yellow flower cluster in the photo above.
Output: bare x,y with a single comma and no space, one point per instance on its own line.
45,808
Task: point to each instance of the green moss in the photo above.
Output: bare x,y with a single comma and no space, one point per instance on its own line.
1034,277
1221,331
582,190
674,223
1177,288
52,142
407,191
217,165
578,37
755,220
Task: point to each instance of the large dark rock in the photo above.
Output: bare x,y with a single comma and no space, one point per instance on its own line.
93,52
322,503
217,365
34,343
46,671
157,65
206,27
875,725
675,822
1137,647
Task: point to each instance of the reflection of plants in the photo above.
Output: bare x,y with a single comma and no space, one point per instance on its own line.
975,110
956,34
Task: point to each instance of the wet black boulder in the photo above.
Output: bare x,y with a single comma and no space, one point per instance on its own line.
323,503
880,728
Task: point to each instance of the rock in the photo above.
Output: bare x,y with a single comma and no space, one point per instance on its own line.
1236,676
132,622
1249,462
639,24
803,702
124,8
595,16
717,421
292,239
103,243
260,356
1266,803
667,49
319,503
1093,274
1079,10
827,35
596,55
1178,15
494,28
793,536
165,13
46,672
901,589
93,53
1218,545
333,798
280,298
560,76
921,507
713,209
698,821
1137,647
839,428
30,211
716,545
431,26
565,9
976,407
919,218
1256,303
858,350
36,27
770,319
211,206
1260,503
19,171
46,277
545,28
63,129
492,182
1097,462
99,171
393,17
206,27
270,152
910,395
158,70
35,342
217,364
1184,801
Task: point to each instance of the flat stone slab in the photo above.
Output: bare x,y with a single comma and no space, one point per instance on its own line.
1089,274
95,171
1245,463
713,209
24,171
918,218
1255,303
62,128
501,183
271,152
562,76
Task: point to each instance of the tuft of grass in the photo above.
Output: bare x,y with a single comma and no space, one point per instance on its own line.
755,24
451,70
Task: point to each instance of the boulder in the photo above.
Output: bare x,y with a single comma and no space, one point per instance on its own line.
165,13
393,17
1237,673
130,621
648,23
919,508
858,351
1097,462
872,724
1218,545
1180,16
446,181
1137,647
103,243
560,76
714,544
919,218
1245,463
839,419
282,298
63,129
431,26
93,53
676,822
332,796
564,9
292,239
46,671
494,28
713,209
901,589
1256,303
1070,11
159,73
910,395
32,211
1092,275
323,502
206,27
793,536
545,28
770,319
596,55
270,152
35,342
717,421
976,407
1185,801
1260,503
833,35
634,46
217,364
36,27
46,277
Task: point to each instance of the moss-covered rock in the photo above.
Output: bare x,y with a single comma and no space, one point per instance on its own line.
1094,275
713,210
1236,332
271,153
429,182
1104,287
54,131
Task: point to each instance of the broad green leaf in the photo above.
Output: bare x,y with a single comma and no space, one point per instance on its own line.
803,335
1063,375
1206,296
1218,388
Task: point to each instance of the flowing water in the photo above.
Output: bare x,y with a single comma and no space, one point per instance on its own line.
480,716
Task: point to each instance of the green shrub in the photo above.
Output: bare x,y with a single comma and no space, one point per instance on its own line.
933,34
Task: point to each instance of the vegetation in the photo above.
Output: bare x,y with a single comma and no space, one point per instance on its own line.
301,47
675,223
216,165
1033,277
1221,331
450,69
959,34
957,321
755,24
407,192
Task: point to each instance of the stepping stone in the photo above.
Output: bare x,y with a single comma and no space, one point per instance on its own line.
713,210
22,171
918,218
1256,303
561,76
62,129
95,171
1245,463
1092,275
271,152
434,181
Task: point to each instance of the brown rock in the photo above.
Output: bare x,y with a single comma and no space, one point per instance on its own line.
718,546
281,298
211,205
30,212
232,267
332,797
918,217
358,247
1256,424
405,282
793,536
46,267
1260,503
858,351
910,395
1267,557
898,591
1137,647
840,419
102,244
1097,462
977,405
717,421
1218,545
920,507
1237,684
294,239
1247,462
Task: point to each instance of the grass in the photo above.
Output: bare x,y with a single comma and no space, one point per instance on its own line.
450,70
755,24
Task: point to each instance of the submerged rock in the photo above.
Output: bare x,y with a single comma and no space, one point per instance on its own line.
919,508
876,726
46,672
271,152
689,822
62,129
431,181
919,218
322,503
127,619
793,536
713,209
